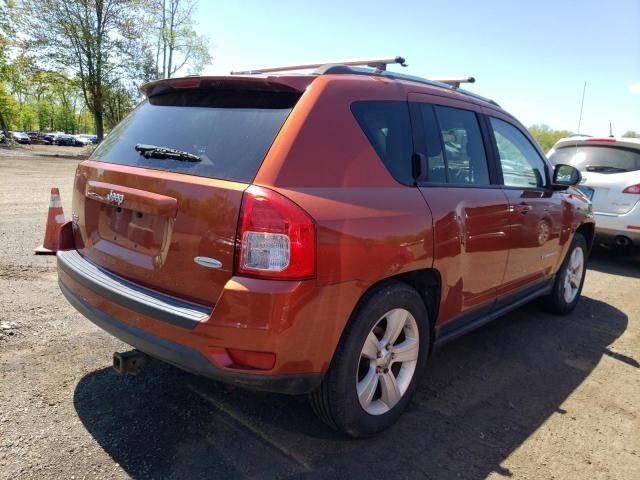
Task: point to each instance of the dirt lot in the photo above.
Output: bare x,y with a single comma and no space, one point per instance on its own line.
529,396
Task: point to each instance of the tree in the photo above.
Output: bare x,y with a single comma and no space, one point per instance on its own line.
6,33
43,98
99,40
546,136
631,134
119,100
178,45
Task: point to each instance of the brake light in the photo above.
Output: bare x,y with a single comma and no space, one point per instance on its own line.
276,238
607,139
633,189
185,83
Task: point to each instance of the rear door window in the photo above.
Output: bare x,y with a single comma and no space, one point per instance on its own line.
596,158
387,126
437,170
455,148
231,131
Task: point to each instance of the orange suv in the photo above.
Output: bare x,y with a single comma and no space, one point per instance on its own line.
318,233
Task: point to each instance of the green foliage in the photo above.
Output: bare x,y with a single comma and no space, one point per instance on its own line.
98,40
8,104
43,100
118,102
631,134
75,65
546,136
6,34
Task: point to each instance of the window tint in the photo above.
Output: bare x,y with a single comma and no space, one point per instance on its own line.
437,172
596,158
231,131
462,149
521,164
388,129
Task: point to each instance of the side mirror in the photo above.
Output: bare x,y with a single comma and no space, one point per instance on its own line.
566,176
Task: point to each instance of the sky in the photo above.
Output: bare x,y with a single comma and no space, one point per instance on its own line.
533,58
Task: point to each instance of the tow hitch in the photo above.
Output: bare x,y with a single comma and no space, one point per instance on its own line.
131,362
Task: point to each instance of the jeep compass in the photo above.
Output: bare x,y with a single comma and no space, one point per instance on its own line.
318,233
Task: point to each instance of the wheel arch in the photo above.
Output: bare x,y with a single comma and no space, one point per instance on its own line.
426,282
588,231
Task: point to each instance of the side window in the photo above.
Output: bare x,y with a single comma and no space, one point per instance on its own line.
521,164
388,128
437,171
462,150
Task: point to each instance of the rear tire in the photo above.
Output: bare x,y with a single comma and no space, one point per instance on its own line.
375,369
567,287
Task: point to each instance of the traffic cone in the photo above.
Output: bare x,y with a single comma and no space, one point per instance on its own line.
55,219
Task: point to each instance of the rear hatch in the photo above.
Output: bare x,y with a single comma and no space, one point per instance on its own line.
168,221
606,170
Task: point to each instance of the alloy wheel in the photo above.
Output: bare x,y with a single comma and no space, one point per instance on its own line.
573,275
388,361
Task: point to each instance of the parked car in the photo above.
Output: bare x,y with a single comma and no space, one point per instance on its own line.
611,180
65,140
51,137
20,137
38,138
81,141
84,139
317,233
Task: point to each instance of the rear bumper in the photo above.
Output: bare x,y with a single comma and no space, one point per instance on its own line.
609,226
187,358
300,323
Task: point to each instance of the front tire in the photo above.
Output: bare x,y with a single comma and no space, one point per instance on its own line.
375,369
567,287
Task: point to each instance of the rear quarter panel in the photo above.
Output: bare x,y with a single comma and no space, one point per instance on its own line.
369,226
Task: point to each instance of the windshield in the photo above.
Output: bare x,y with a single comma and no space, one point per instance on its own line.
595,158
231,131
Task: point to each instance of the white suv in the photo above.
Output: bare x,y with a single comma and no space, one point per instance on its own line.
610,170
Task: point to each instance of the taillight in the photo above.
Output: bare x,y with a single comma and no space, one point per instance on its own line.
276,238
633,189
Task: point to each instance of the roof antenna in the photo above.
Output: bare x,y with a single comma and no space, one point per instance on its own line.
610,130
584,90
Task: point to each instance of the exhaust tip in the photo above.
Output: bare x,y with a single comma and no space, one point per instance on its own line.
623,241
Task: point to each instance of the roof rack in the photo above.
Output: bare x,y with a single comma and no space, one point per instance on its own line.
455,82
379,64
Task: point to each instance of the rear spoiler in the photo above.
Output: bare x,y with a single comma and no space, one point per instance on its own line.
288,83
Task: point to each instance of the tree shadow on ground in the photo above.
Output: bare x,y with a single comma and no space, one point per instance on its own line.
483,396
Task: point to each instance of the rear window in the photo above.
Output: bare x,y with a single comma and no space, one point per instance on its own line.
388,128
594,158
230,130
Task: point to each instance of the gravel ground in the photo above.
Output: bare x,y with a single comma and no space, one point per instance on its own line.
528,396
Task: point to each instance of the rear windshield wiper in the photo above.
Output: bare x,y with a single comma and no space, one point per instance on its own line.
605,168
153,151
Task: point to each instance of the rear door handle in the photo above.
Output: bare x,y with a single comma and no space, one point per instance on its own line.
523,208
